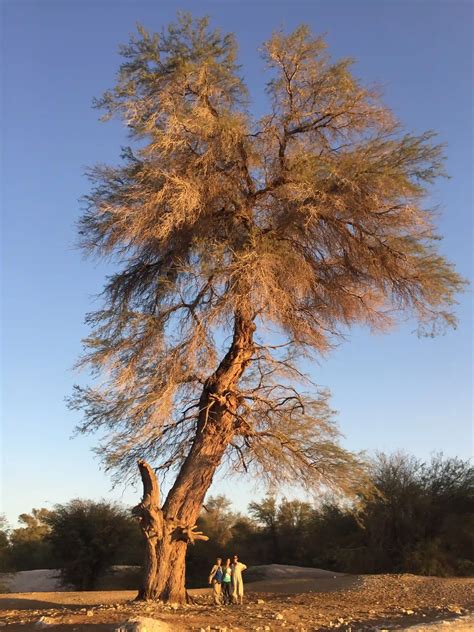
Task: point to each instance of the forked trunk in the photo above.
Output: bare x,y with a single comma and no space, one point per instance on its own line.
168,530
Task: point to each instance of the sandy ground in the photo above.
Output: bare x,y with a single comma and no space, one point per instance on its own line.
321,601
48,580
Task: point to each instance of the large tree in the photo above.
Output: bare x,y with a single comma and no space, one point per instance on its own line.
244,245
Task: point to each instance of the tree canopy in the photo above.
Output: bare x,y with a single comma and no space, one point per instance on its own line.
244,244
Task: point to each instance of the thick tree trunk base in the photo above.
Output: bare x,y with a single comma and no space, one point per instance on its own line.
166,543
167,583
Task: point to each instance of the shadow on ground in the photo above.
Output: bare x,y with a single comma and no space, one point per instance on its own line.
71,600
69,627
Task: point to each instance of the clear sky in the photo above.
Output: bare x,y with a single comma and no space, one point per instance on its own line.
392,392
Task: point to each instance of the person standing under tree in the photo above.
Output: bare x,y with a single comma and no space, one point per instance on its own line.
226,583
237,580
215,578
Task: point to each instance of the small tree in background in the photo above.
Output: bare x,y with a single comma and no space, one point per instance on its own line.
294,519
265,514
87,538
284,528
244,245
5,559
217,520
29,544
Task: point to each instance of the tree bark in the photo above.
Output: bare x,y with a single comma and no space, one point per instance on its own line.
150,519
168,530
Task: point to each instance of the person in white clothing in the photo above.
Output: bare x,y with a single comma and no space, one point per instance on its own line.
237,580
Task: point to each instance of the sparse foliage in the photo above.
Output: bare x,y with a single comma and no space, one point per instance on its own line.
279,233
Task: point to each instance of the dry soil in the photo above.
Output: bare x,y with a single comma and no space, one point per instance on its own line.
304,604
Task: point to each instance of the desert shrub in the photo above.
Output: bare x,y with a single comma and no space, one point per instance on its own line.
334,544
422,522
88,537
120,578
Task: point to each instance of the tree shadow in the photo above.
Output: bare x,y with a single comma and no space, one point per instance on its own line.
65,627
295,586
26,603
72,601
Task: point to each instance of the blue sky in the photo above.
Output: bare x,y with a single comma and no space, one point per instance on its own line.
392,392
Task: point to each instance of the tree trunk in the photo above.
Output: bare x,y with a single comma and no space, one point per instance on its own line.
171,573
170,529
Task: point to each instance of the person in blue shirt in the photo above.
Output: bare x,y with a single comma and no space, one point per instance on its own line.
215,580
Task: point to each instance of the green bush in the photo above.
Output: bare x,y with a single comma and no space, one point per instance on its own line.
88,537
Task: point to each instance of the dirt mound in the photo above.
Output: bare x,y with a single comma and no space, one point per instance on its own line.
42,580
49,580
286,572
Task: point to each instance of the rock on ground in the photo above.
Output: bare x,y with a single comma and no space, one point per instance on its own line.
461,624
44,622
143,624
